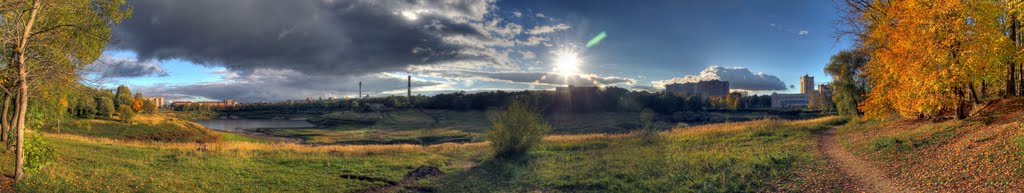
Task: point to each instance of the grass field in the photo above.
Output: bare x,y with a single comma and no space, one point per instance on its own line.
746,156
156,127
742,157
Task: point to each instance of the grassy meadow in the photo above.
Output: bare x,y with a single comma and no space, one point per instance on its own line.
744,156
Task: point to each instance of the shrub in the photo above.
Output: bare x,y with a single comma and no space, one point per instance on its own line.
38,153
516,130
648,132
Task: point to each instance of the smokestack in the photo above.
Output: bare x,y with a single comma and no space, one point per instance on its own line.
360,90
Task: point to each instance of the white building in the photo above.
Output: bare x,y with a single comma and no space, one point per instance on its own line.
789,100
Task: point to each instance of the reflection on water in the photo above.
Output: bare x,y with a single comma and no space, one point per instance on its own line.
238,125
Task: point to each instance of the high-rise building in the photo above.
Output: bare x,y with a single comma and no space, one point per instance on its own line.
825,90
806,84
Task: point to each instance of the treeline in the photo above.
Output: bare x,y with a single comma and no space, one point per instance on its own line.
608,99
104,104
928,59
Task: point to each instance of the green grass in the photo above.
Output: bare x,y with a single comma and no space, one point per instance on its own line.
91,167
737,160
149,128
238,137
737,157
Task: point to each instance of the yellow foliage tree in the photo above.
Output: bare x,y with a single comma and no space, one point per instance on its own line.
930,58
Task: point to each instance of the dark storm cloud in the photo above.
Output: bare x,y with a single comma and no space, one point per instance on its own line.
532,77
738,77
280,85
123,67
344,37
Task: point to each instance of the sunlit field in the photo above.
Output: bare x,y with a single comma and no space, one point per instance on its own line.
747,156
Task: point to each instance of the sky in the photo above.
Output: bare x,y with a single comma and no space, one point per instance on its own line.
253,51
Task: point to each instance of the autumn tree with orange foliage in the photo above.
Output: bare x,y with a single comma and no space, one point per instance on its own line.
931,58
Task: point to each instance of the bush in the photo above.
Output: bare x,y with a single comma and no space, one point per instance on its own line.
516,130
648,132
38,153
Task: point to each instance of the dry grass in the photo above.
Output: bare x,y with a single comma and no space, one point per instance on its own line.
586,137
717,128
345,150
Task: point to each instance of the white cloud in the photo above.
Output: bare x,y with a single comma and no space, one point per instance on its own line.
533,41
517,13
803,32
528,55
542,29
739,78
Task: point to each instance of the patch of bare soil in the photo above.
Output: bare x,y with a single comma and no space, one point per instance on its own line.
870,177
408,182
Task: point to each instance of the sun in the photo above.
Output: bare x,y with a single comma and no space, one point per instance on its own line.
567,63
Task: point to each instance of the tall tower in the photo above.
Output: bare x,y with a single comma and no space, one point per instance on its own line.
408,94
806,84
360,90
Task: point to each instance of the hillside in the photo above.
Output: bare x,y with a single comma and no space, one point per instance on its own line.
982,153
145,127
767,155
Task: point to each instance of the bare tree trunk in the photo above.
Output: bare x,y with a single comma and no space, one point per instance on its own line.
961,107
1011,74
974,93
19,163
4,120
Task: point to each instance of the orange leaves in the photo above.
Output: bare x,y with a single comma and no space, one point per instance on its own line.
925,55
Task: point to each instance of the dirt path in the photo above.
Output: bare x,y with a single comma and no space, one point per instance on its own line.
868,175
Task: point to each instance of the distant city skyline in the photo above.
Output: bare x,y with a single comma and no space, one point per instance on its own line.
238,49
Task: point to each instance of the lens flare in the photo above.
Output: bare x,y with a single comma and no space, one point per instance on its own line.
567,63
596,39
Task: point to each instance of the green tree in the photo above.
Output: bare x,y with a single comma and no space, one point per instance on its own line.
86,107
104,107
126,113
48,41
149,106
123,96
516,130
849,85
